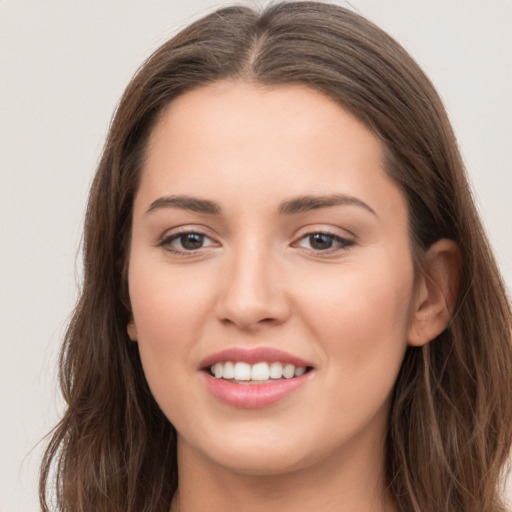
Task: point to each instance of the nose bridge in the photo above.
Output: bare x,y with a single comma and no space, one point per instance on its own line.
252,294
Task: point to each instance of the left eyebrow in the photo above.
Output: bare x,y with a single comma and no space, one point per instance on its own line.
194,204
306,203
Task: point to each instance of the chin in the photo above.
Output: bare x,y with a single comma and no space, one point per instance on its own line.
261,462
250,454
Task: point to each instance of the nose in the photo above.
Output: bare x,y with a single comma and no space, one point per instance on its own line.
252,294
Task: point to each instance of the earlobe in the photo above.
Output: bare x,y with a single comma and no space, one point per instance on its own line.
436,292
131,329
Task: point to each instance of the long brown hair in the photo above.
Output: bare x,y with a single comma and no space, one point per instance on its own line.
450,425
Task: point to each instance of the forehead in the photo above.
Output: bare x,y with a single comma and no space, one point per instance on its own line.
262,141
235,112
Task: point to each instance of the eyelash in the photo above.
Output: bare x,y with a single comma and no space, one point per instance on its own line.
343,243
168,240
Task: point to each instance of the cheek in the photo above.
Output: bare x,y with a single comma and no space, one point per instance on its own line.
169,313
166,303
361,321
359,299
169,317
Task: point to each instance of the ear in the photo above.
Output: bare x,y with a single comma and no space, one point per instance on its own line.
131,329
436,292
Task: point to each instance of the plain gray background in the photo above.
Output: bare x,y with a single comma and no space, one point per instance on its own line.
63,66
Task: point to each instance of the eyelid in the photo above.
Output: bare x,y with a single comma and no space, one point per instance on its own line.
344,242
172,234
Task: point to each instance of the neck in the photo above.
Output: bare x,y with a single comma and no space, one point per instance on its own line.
348,481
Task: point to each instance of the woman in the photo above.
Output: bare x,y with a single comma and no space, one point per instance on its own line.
289,301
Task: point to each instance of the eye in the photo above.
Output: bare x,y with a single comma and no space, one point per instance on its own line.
324,242
186,242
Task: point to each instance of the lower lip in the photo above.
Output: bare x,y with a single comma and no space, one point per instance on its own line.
253,396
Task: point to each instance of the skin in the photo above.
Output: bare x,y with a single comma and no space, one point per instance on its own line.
350,311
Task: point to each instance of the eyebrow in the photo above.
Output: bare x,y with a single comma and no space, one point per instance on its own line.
193,204
291,207
307,203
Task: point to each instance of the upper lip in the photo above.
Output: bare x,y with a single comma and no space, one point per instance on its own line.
252,356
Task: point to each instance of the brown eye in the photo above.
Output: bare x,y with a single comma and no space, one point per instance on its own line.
191,241
321,241
324,242
186,242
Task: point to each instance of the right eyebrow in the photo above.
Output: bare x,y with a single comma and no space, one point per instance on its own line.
193,204
306,203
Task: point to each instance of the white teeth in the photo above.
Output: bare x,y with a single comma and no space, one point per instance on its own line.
260,371
288,371
242,371
276,370
218,370
300,370
257,372
229,370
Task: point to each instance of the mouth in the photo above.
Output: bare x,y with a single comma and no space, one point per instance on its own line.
254,378
242,372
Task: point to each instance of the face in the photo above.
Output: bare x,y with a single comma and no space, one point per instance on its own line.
267,238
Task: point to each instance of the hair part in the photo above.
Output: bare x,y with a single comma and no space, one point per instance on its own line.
449,427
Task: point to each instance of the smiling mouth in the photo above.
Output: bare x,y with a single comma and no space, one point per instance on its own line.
254,378
260,373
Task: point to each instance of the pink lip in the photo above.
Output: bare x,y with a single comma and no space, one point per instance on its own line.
253,396
252,356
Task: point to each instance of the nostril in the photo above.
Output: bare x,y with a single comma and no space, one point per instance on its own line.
249,323
250,300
